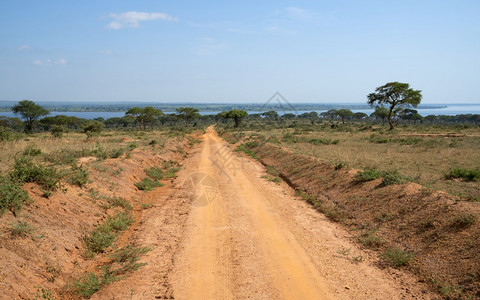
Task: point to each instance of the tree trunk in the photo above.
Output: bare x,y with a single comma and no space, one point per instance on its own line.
390,118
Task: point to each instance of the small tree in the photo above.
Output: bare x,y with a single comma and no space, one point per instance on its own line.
344,113
236,114
187,113
395,94
270,115
30,112
380,113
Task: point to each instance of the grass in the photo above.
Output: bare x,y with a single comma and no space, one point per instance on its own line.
462,173
27,170
370,240
404,150
396,257
21,228
104,235
155,173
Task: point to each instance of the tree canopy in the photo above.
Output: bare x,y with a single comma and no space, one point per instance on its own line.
187,113
144,116
236,114
395,94
30,111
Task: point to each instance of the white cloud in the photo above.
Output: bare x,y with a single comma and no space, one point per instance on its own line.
133,18
49,62
24,48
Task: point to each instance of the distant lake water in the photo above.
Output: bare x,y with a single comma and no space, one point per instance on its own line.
449,110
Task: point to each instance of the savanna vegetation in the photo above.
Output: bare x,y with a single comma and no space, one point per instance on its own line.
394,146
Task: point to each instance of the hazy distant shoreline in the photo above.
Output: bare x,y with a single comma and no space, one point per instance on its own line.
5,106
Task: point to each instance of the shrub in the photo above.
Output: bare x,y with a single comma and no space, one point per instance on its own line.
128,257
339,165
78,176
396,257
87,285
120,202
392,177
171,173
104,235
25,170
31,151
92,128
12,196
155,173
465,174
367,175
57,131
21,228
148,184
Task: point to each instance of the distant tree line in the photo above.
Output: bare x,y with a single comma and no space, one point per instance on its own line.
393,102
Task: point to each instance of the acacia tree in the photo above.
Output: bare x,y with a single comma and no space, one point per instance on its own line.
30,111
380,113
395,94
344,113
144,116
236,114
187,113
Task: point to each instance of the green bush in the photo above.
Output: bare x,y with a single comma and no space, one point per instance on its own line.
78,176
87,285
148,184
155,173
120,202
57,131
465,174
25,170
92,128
464,220
128,258
392,177
104,235
397,257
171,173
367,175
12,196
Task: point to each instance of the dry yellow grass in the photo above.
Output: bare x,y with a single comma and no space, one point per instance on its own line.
424,154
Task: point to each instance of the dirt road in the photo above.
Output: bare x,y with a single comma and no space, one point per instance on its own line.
249,238
223,232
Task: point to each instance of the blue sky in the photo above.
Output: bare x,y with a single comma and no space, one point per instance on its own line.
243,51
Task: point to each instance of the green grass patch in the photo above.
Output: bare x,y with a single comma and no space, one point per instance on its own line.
148,184
78,176
367,175
12,195
104,235
172,172
155,173
464,174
